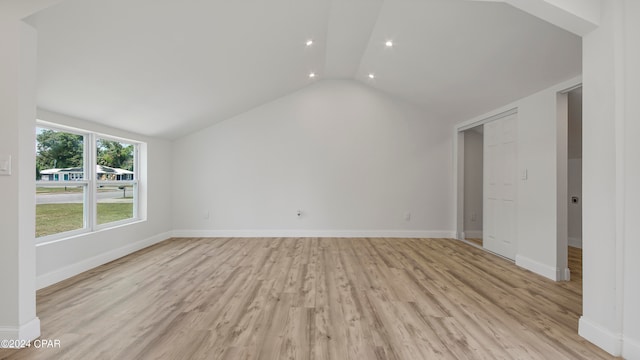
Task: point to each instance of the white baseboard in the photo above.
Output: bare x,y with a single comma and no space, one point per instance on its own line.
316,233
601,337
575,242
630,349
476,234
68,271
545,270
27,332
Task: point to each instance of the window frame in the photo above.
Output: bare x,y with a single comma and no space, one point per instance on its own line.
90,182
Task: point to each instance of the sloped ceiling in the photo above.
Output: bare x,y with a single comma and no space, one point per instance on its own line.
166,68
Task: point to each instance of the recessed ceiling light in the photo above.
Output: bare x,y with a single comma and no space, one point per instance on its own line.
312,75
389,43
371,76
309,42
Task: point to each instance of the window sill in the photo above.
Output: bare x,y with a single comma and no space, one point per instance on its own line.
55,238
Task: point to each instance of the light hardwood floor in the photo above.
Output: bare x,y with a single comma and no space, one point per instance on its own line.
477,241
311,298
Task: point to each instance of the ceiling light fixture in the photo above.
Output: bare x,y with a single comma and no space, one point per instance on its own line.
309,42
389,43
312,75
371,76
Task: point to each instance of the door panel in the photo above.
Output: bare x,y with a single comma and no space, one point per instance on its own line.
500,175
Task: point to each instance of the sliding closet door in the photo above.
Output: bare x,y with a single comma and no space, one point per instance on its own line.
500,174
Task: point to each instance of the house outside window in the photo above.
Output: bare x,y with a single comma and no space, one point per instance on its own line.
84,181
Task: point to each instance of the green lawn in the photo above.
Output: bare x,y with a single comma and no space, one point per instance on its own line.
57,218
42,190
58,190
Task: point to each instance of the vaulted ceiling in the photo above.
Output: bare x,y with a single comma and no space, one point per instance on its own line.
166,68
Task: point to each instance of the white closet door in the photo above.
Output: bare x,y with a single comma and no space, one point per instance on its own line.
500,174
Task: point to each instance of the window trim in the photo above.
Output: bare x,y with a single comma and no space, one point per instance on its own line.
90,183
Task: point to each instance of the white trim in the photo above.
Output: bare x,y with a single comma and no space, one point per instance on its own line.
488,119
68,271
473,234
27,332
317,233
601,337
575,242
630,348
570,89
539,268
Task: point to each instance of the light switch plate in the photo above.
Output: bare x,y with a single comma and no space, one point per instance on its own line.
5,165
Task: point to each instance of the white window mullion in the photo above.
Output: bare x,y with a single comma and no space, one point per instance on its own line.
91,202
137,172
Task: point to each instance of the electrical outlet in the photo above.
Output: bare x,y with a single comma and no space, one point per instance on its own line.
407,216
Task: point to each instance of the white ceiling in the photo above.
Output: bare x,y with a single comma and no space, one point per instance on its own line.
167,68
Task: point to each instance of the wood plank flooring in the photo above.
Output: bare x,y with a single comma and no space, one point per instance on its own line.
310,298
575,265
477,241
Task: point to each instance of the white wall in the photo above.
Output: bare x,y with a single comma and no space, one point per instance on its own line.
601,240
611,173
538,195
473,177
353,160
631,316
61,259
17,204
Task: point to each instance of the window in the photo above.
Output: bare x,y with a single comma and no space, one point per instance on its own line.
116,184
84,181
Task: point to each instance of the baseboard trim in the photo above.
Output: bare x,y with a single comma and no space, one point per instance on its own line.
316,233
539,268
630,349
27,332
575,242
601,337
68,271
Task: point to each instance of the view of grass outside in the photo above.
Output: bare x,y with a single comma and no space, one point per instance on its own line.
62,182
114,204
59,190
57,218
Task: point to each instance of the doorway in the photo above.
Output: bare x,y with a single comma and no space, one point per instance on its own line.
473,184
574,183
486,153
